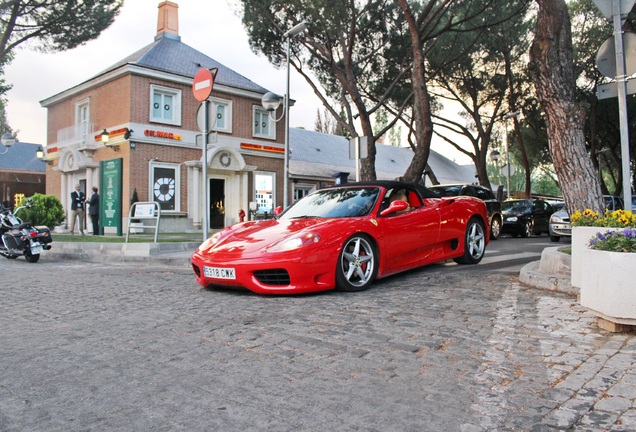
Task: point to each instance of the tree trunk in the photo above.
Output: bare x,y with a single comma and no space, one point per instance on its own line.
421,101
551,67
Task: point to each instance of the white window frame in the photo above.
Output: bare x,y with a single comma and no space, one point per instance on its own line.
227,104
176,106
306,188
271,123
83,125
177,185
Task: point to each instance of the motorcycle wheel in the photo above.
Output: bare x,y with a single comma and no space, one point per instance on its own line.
32,258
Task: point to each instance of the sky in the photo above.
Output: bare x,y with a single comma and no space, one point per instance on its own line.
212,27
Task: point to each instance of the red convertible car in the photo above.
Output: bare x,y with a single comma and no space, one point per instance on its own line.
345,237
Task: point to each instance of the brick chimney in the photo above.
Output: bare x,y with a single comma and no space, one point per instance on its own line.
168,21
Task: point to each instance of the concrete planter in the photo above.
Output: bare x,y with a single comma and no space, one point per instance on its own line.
606,280
580,238
607,287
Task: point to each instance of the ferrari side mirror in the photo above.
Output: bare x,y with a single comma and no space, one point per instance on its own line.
394,207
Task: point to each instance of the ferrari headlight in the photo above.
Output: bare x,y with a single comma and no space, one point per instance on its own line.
512,219
295,242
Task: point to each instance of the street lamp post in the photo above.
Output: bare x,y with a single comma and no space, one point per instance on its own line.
505,118
495,156
271,102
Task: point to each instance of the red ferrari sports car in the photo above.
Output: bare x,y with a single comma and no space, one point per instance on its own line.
345,237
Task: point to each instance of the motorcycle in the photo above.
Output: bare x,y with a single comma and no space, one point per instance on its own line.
22,238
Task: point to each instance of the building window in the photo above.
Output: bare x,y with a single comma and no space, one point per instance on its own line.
165,186
223,120
263,124
302,190
165,105
264,191
83,120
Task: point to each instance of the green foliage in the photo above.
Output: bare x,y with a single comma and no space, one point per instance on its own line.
52,25
46,210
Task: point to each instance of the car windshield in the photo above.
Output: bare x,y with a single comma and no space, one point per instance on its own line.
335,203
516,206
446,191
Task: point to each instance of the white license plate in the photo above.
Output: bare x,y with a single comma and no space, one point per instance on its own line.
36,249
219,273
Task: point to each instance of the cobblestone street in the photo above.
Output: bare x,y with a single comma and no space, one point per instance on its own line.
135,348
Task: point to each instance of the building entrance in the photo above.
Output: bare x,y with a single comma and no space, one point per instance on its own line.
217,203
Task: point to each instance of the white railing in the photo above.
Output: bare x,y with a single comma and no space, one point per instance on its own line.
76,135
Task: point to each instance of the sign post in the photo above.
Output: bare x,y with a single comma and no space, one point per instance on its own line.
201,89
616,10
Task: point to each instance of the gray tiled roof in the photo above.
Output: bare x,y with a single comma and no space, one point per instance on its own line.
21,157
323,155
169,54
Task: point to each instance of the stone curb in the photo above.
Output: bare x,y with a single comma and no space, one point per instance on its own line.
167,254
551,273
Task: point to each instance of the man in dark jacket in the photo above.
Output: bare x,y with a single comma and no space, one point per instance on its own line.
77,209
93,210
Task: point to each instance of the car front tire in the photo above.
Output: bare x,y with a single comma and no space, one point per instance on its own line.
357,264
495,228
474,243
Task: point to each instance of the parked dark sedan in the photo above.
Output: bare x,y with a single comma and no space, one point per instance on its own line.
486,195
525,217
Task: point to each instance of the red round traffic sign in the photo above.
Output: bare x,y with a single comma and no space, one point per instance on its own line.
202,85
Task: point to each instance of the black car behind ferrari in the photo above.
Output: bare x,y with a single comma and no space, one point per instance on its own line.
525,217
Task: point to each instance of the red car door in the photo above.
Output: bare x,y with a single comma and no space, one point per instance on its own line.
409,238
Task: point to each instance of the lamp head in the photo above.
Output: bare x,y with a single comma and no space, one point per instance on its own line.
297,29
270,101
7,139
105,136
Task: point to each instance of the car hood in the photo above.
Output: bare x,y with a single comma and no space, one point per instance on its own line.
253,238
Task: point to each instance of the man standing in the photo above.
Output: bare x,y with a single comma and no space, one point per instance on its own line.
77,209
93,210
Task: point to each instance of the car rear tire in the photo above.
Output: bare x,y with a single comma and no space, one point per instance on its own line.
527,230
357,264
474,243
495,228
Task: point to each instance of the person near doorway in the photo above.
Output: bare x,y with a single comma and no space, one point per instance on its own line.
77,209
93,210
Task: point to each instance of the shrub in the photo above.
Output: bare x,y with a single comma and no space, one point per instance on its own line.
46,210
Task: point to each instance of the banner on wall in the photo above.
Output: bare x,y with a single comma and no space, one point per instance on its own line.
110,203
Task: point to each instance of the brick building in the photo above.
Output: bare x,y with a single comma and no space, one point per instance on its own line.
145,103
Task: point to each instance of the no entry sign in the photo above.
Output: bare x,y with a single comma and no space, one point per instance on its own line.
202,84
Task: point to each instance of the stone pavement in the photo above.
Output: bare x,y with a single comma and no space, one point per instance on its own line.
89,346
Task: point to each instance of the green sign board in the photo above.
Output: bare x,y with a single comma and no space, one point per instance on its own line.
111,194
